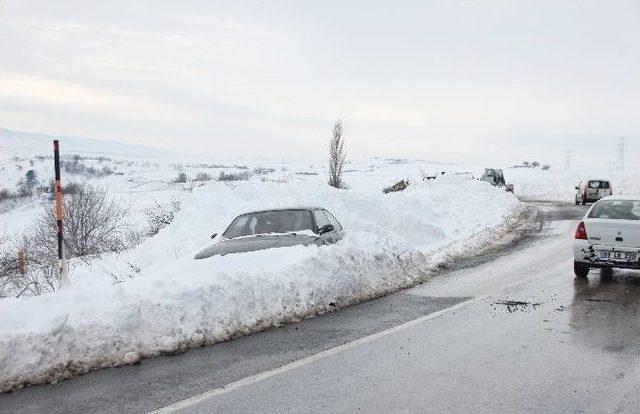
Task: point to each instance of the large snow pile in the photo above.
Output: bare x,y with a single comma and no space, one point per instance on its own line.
559,186
167,301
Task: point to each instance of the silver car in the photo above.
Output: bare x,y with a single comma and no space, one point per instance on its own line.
267,229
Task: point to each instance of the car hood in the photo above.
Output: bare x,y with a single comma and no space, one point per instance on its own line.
253,243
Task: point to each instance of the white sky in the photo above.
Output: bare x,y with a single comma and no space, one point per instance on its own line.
442,80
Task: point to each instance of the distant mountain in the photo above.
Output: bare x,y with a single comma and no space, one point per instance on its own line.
17,142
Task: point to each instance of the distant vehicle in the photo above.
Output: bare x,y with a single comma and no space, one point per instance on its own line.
592,190
260,230
495,177
609,236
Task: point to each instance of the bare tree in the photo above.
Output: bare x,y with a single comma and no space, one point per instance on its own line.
337,156
93,223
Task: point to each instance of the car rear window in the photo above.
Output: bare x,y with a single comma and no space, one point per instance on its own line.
275,221
616,210
599,184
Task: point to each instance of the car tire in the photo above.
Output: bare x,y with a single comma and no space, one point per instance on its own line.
584,201
581,270
577,201
606,273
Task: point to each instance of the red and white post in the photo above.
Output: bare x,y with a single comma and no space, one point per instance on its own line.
62,269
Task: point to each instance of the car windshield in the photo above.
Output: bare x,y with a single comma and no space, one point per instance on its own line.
276,221
616,210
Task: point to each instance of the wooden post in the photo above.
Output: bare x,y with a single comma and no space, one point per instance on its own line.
58,212
21,268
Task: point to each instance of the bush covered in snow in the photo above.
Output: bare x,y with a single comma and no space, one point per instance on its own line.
161,215
240,176
202,176
182,177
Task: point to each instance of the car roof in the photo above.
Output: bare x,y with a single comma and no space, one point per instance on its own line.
630,197
595,179
282,209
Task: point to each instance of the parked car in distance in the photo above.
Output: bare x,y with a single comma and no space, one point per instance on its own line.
609,236
495,177
592,190
267,229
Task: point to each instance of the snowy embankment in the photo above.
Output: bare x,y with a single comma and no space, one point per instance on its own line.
169,302
558,186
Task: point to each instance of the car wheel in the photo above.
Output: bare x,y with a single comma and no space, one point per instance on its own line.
581,270
577,201
584,201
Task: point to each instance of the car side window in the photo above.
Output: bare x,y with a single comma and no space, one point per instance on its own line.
321,219
336,225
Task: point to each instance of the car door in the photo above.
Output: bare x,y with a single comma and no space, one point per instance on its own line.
321,221
579,191
338,232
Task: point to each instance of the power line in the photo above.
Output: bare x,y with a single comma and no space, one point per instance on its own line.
620,164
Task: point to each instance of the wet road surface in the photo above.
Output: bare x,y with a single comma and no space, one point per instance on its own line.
513,333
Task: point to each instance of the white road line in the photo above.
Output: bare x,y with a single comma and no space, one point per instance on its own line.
252,379
189,402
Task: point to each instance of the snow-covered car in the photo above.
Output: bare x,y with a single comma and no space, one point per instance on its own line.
609,236
495,177
260,230
591,190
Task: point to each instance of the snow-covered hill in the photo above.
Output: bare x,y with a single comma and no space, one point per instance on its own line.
27,143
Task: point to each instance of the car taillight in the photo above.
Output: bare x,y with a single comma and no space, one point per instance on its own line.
581,231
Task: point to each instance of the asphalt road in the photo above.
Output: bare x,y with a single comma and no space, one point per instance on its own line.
512,333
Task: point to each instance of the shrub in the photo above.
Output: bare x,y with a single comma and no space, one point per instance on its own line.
202,176
24,189
241,176
181,178
160,216
72,188
6,194
21,274
31,178
263,171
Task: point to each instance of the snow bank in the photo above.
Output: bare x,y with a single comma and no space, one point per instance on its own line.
559,186
167,301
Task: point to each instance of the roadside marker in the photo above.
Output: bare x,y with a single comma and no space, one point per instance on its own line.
63,270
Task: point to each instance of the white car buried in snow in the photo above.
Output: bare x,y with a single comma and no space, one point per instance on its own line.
609,236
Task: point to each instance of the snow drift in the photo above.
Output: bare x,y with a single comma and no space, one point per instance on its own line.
169,302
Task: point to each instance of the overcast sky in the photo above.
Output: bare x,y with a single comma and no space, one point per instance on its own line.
444,80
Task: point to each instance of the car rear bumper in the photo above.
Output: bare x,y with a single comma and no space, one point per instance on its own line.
585,252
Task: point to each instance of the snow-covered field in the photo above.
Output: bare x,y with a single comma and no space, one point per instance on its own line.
154,298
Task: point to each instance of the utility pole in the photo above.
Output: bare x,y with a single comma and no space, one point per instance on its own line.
63,269
620,164
567,161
